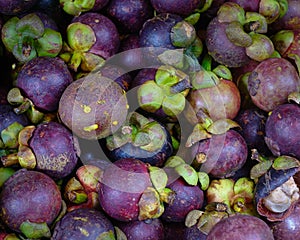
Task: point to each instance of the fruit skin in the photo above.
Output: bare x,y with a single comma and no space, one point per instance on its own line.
71,226
221,101
129,14
227,154
93,107
151,229
121,187
55,149
240,227
43,80
29,195
221,49
289,227
282,127
14,7
187,198
271,82
184,8
249,6
107,35
193,233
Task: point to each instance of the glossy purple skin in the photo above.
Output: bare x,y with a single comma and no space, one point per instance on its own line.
179,7
55,149
240,227
252,122
225,153
43,80
142,76
282,128
193,233
289,228
121,187
221,49
29,196
107,35
271,82
174,230
249,6
70,226
151,229
8,117
14,7
130,15
187,198
99,4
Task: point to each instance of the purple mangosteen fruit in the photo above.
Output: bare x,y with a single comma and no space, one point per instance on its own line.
240,227
187,198
249,6
129,15
93,107
121,188
281,128
30,202
193,233
14,7
151,229
84,223
270,83
183,8
76,8
42,81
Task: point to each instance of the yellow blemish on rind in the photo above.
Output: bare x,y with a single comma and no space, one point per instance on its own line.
91,128
101,101
115,123
84,231
86,109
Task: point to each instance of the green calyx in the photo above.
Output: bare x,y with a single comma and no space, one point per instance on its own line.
183,34
5,173
9,135
141,132
80,39
273,9
282,40
76,7
166,91
35,230
231,12
27,38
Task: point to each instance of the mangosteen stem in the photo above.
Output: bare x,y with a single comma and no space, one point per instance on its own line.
251,26
181,86
10,160
23,107
255,155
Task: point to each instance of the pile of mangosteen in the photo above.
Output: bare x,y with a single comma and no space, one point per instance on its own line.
150,119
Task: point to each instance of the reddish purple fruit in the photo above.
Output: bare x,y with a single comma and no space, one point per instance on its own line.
282,128
222,155
240,227
179,7
271,82
29,196
14,7
121,187
187,198
85,224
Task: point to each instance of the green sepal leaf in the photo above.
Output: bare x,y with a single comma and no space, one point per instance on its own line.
255,22
120,235
107,236
285,162
244,186
260,169
174,161
183,34
9,135
221,126
150,96
50,44
35,230
223,72
167,76
204,180
205,6
188,173
193,18
9,33
231,12
24,51
173,57
198,134
149,204
30,26
5,173
173,105
91,62
81,37
204,79
76,7
294,97
158,177
235,33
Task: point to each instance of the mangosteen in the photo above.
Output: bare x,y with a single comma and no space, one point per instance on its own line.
187,198
77,8
30,36
121,188
129,15
15,7
281,128
30,202
151,229
193,233
276,193
140,138
183,8
270,83
93,107
91,38
84,224
39,86
173,230
241,227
